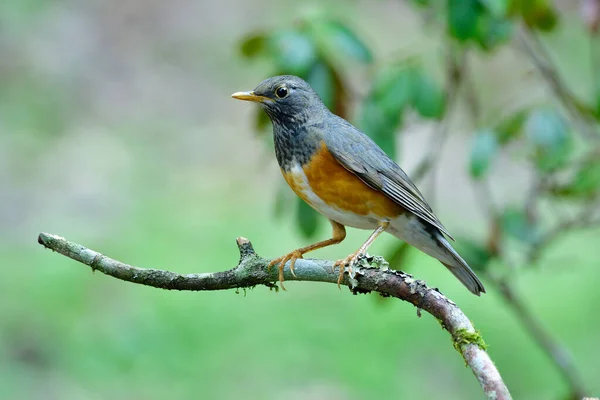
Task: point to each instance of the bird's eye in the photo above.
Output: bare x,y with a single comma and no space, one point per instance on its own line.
281,92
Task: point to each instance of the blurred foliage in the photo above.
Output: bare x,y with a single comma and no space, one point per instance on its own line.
557,141
551,142
516,224
322,50
485,146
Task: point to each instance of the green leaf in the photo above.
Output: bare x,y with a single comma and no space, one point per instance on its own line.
253,45
493,31
587,179
307,218
547,130
321,79
474,253
336,38
462,18
484,148
496,8
429,98
294,52
422,3
515,224
511,127
394,88
539,14
379,126
585,182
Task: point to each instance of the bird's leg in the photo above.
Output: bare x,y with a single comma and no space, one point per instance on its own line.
339,234
361,250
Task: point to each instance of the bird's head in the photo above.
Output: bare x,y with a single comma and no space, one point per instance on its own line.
286,99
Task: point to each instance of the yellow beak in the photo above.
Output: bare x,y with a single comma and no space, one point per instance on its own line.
249,96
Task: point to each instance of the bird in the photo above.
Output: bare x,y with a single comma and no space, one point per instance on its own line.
346,177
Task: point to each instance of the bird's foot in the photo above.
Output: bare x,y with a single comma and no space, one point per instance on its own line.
349,261
291,257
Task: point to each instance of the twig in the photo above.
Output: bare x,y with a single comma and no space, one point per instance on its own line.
485,198
253,270
557,353
454,77
584,219
580,114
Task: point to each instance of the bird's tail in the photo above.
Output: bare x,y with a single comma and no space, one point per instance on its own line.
460,268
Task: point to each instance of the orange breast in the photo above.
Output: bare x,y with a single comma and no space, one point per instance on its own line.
339,188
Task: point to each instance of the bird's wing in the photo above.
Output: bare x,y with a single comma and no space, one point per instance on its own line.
363,157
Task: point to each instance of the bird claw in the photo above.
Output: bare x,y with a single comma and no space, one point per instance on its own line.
349,261
291,257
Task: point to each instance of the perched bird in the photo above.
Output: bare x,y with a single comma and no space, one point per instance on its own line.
340,172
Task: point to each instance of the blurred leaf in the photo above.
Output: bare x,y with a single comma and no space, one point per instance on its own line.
381,128
515,224
547,130
429,98
484,148
496,8
422,3
539,14
511,127
321,79
394,88
307,218
513,8
462,18
335,38
585,182
587,179
474,253
294,52
252,45
493,31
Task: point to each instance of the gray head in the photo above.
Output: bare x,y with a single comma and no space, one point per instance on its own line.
287,99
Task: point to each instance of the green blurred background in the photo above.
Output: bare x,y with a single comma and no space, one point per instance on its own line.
117,131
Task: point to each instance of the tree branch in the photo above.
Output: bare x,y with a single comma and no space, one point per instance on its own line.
253,270
581,115
555,351
455,68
